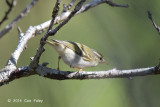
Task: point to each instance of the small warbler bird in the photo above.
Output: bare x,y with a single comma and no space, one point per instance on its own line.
76,55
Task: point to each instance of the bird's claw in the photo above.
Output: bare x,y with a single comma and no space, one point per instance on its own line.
58,69
79,75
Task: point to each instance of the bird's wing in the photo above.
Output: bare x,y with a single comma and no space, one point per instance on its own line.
80,49
87,52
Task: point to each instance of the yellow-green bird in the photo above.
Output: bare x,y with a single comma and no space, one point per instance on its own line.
76,55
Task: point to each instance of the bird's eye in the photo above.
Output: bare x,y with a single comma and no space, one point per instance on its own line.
100,58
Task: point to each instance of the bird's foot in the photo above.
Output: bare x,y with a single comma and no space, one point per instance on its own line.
78,73
58,69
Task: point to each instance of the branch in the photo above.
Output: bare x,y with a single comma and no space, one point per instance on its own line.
153,22
59,18
6,77
84,8
10,71
79,9
23,39
10,67
115,4
113,73
20,16
34,63
54,14
76,9
11,5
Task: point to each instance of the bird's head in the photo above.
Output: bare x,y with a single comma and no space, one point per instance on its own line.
99,57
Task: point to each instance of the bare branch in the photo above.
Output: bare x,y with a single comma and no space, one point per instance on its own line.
84,8
21,45
9,72
20,16
113,73
153,22
65,13
115,4
59,18
35,61
23,39
54,14
11,5
77,8
8,76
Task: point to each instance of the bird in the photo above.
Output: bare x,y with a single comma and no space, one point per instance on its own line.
76,55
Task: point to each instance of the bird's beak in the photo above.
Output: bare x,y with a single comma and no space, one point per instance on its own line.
104,62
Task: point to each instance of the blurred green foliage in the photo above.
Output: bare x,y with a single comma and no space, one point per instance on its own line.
126,38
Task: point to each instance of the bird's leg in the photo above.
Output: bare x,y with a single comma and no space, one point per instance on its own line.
79,69
59,58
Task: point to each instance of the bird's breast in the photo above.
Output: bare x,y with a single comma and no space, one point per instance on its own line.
68,56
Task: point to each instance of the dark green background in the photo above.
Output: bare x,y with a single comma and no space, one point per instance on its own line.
126,38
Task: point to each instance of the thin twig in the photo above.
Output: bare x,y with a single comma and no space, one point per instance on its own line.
115,4
153,22
54,14
10,5
20,16
94,3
